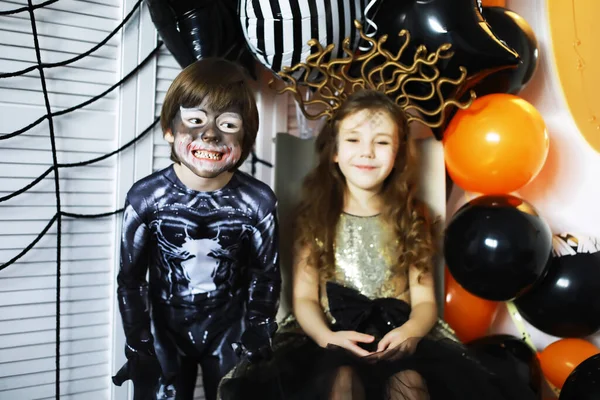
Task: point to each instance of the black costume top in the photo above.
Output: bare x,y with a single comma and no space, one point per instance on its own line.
201,248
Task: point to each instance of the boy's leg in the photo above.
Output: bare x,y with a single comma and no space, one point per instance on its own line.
211,376
179,368
185,381
215,365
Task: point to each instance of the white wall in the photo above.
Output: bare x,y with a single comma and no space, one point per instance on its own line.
28,288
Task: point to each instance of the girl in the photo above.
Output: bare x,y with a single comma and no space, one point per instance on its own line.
363,288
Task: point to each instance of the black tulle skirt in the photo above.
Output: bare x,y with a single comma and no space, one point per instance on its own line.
434,367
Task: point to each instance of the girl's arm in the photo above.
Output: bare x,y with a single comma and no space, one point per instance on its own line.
307,307
310,315
423,315
422,299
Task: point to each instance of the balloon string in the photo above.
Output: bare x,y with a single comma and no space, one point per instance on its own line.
517,319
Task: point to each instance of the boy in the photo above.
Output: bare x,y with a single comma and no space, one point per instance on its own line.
208,234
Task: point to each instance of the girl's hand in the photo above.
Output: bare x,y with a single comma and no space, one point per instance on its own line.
407,334
348,340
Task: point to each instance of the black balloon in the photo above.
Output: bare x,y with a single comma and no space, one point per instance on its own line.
497,247
193,30
436,22
566,302
510,356
516,32
584,382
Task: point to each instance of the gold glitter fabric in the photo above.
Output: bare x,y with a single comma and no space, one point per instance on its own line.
363,260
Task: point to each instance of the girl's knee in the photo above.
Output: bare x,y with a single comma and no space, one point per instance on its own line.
412,377
344,377
408,385
346,385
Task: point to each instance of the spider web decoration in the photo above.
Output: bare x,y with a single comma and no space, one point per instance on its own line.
56,167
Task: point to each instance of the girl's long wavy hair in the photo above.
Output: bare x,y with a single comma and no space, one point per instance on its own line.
406,218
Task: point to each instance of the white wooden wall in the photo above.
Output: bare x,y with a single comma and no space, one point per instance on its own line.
27,289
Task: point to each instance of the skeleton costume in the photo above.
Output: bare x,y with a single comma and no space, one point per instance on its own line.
213,269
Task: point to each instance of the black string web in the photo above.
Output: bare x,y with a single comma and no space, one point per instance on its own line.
57,167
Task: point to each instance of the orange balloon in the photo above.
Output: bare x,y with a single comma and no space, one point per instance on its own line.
493,3
560,358
470,316
496,146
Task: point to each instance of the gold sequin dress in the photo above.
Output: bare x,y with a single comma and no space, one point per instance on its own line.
363,260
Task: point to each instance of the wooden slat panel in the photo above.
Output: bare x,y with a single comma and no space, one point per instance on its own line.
58,100
34,351
77,386
48,31
45,157
91,68
48,364
45,213
45,337
68,253
39,143
29,199
162,85
17,242
24,325
66,185
69,226
49,295
27,288
160,97
167,61
51,16
49,281
164,73
64,41
66,374
79,7
12,312
60,86
96,173
80,124
27,269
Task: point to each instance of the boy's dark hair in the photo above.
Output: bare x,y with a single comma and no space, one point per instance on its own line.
225,84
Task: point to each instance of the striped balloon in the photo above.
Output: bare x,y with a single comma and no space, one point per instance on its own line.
277,31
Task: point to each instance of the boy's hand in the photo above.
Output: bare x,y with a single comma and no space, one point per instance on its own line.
255,344
143,368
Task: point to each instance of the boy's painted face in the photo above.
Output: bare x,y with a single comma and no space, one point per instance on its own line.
367,147
206,142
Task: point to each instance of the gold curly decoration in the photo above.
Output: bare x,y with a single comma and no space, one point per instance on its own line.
333,83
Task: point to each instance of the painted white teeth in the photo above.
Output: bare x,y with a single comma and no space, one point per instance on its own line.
209,155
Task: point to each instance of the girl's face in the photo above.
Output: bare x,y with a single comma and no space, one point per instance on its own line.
206,142
367,147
